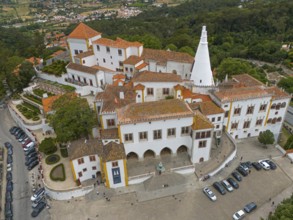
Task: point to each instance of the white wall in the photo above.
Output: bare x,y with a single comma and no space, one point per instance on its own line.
217,123
108,116
76,44
84,77
89,61
203,152
139,147
110,176
88,165
182,69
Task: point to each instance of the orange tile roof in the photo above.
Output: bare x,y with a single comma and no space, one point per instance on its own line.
113,151
132,60
179,87
119,76
139,87
153,111
247,80
118,43
81,68
118,82
162,56
204,98
58,53
48,102
83,31
277,93
206,108
109,133
34,60
81,148
141,66
85,54
201,122
148,76
102,68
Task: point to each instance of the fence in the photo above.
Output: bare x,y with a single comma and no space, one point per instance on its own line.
140,178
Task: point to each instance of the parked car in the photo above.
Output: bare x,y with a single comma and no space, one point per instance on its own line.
34,154
239,215
9,176
244,166
248,164
9,186
237,176
242,171
264,165
9,151
257,166
29,146
18,135
219,187
233,183
39,193
31,160
22,137
16,131
13,129
30,151
273,166
209,193
9,159
8,210
8,197
38,201
38,209
9,167
227,186
32,165
8,145
26,142
250,207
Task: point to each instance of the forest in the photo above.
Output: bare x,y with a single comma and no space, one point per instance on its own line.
251,29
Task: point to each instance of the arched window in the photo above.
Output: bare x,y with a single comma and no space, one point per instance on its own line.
269,121
274,120
283,105
279,119
273,106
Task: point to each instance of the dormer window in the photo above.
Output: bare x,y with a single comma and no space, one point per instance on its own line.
98,48
120,52
108,49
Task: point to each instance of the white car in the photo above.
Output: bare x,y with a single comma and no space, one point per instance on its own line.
264,165
209,193
239,215
227,185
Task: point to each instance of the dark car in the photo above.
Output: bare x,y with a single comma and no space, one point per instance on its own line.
8,210
18,131
9,159
32,165
22,137
8,197
14,129
19,135
9,186
242,171
273,166
250,207
26,142
257,166
30,151
31,160
8,145
33,154
248,164
233,183
9,176
218,186
9,151
237,176
38,209
244,166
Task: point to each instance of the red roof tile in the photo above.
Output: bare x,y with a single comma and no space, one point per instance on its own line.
83,31
118,43
148,76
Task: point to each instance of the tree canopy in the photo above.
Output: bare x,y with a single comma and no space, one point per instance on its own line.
287,84
48,146
266,137
72,119
284,210
289,143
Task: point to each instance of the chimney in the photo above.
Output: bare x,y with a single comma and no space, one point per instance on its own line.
121,95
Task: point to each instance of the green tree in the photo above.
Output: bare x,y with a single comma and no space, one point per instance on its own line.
48,146
187,49
287,84
72,119
289,143
266,137
284,210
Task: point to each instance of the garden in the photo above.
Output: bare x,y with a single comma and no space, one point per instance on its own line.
57,68
29,111
33,98
41,92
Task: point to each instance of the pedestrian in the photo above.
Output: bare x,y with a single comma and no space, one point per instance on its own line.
98,193
241,158
273,203
249,171
270,199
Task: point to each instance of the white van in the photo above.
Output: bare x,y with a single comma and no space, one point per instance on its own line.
39,193
29,146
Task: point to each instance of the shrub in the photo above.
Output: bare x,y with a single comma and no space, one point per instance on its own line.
58,173
36,118
52,159
64,152
48,146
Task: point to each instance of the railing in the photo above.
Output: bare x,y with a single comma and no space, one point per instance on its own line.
141,176
182,168
75,82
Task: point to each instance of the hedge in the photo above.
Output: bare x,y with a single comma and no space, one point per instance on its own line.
58,178
64,152
52,159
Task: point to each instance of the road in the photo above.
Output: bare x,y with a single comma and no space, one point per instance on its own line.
22,190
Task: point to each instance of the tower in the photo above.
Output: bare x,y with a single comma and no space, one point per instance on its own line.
201,74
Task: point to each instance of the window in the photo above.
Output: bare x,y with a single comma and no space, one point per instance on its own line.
259,122
171,132
218,126
237,111
219,118
274,121
131,70
84,169
150,91
197,136
80,161
94,168
104,60
80,51
184,130
263,107
234,125
273,106
78,78
73,77
278,106
213,119
115,164
83,61
84,80
75,52
202,144
250,110
283,105
98,48
126,69
120,52
165,91
246,124
157,134
120,63
128,137
226,114
108,49
110,122
279,119
91,82
143,136
92,158
79,174
269,121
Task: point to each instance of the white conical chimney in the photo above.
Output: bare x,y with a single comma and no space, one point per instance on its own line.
201,74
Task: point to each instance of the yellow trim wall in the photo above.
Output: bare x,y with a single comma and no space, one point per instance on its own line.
143,95
119,133
106,175
268,112
102,123
229,116
125,172
73,170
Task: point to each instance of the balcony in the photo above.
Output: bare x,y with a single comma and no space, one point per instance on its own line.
76,82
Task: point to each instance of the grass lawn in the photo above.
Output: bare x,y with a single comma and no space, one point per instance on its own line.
284,136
